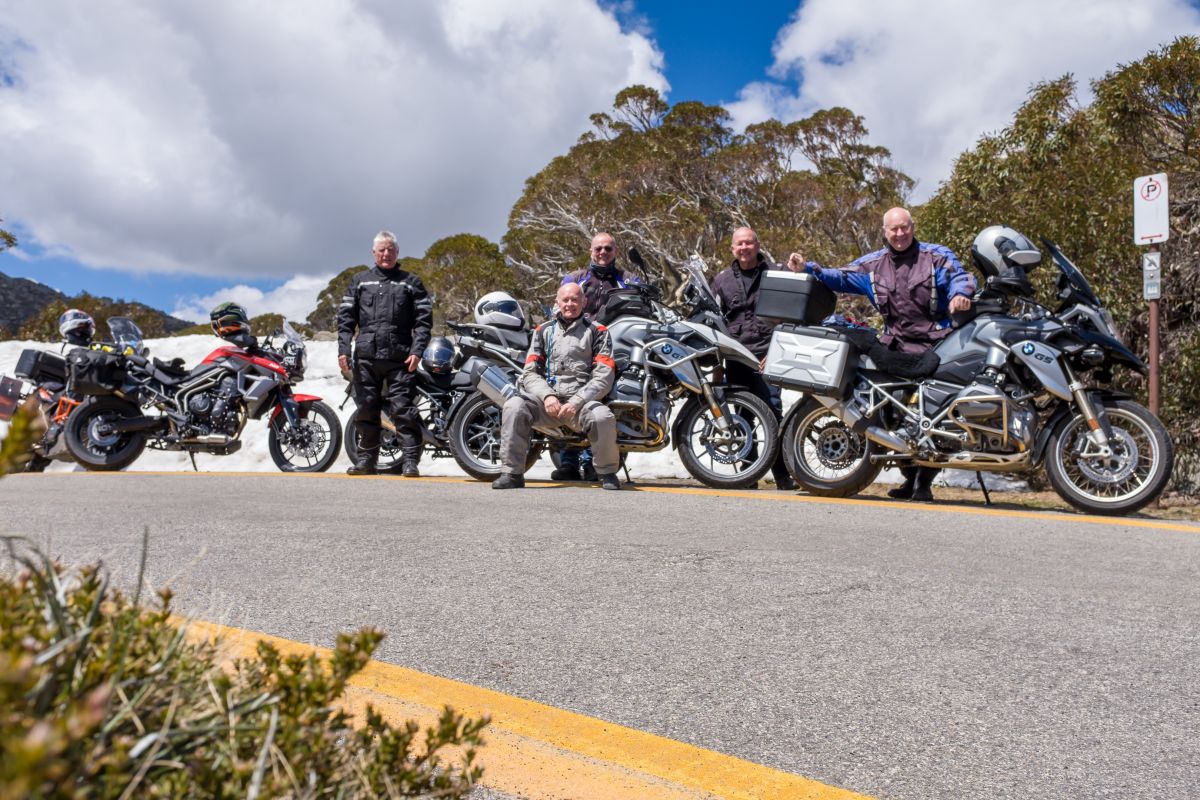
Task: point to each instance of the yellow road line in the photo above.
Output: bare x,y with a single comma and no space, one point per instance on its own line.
774,497
540,752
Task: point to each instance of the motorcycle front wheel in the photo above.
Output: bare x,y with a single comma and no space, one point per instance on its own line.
733,457
93,442
391,455
1121,482
310,446
824,456
475,439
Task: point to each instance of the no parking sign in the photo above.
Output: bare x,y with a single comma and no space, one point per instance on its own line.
1151,216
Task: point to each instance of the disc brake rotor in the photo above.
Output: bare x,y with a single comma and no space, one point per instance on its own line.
730,447
1109,469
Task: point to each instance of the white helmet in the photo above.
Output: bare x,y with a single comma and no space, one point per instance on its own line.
75,322
501,310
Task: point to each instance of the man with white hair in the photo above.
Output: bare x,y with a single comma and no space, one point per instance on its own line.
915,286
393,316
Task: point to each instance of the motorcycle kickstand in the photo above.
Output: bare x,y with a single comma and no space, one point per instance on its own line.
987,498
625,469
192,456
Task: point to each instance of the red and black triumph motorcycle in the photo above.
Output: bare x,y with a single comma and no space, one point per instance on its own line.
201,410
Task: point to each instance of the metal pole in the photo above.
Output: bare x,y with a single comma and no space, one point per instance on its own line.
1154,351
1154,357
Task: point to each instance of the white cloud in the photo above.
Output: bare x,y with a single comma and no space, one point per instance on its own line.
931,76
295,299
265,140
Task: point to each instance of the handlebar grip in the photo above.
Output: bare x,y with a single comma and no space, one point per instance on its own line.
138,360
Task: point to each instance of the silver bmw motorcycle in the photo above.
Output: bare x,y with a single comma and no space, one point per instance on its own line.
726,437
1015,387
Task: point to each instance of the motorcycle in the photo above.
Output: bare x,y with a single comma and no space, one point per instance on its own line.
42,375
202,410
726,436
456,420
1014,388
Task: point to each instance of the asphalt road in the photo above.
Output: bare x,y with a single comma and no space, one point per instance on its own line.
897,650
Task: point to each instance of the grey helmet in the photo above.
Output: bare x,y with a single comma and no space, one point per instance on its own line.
438,356
75,323
501,310
999,247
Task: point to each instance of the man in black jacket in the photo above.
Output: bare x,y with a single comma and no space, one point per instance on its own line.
737,290
393,315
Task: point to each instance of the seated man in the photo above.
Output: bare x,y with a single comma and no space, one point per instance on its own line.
568,370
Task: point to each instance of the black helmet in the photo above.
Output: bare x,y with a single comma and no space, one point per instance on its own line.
76,324
438,355
230,321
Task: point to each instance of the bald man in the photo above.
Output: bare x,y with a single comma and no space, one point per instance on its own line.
737,290
568,373
914,286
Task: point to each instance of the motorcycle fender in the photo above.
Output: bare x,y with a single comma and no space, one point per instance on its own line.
301,400
677,425
1098,398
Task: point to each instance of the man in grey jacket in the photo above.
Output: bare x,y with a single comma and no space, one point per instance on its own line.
568,372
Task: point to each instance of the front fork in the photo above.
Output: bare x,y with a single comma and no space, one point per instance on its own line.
1098,440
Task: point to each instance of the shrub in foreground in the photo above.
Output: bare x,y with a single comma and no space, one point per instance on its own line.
103,698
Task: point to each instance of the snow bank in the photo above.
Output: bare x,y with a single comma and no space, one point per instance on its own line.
324,380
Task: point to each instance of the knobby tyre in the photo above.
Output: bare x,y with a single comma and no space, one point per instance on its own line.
728,460
824,456
312,445
1135,473
92,441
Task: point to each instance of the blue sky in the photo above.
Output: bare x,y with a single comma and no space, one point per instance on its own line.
261,153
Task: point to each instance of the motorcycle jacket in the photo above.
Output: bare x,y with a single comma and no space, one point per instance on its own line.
598,283
392,312
737,292
570,359
910,289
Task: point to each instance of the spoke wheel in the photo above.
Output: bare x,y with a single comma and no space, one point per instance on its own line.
734,456
1122,481
824,455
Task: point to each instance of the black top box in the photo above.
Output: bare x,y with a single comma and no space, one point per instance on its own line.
40,366
795,297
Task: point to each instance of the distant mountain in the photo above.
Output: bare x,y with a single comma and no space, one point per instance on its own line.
29,310
21,300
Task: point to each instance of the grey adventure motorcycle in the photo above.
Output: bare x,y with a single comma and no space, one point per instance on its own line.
1003,392
726,436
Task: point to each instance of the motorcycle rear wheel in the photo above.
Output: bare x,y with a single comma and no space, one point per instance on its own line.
1132,477
824,456
313,446
736,461
93,444
475,439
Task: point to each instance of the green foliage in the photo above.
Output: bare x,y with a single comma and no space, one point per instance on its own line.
324,316
1065,171
44,327
102,698
7,240
458,270
25,428
677,180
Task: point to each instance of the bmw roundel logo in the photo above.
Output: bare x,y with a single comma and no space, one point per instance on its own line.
667,350
1027,348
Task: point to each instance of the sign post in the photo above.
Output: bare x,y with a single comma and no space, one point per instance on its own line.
1152,226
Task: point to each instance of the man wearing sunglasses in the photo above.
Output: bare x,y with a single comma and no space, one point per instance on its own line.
598,280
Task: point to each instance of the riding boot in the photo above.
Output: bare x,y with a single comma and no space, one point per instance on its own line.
922,491
905,490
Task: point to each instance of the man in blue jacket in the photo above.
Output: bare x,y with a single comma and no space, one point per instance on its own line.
914,286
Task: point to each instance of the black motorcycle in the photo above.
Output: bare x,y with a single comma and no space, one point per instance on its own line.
42,375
